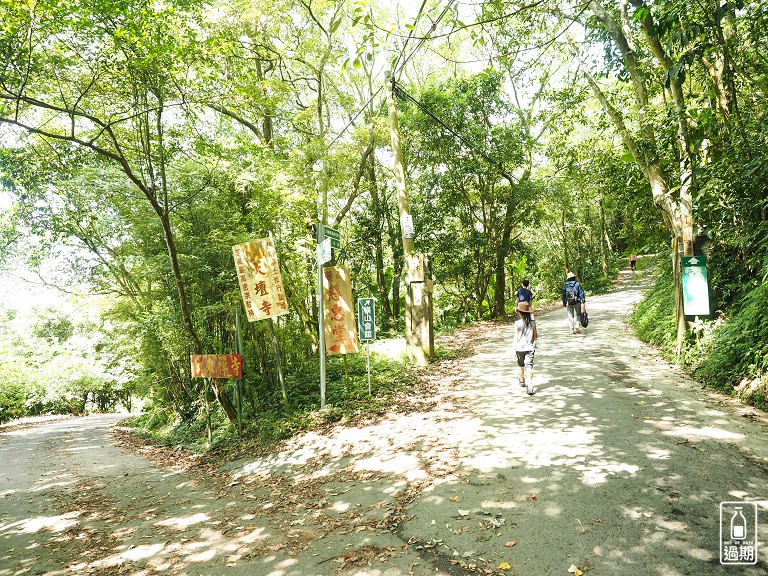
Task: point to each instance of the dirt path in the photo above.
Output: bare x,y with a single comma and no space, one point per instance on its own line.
616,466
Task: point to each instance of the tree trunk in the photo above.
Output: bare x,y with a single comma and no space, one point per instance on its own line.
603,234
564,240
677,213
500,283
680,321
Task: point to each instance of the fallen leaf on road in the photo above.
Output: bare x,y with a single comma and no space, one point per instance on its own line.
504,566
575,571
463,512
455,498
510,544
532,497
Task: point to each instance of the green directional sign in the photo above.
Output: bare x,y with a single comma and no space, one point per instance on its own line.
695,286
334,235
366,318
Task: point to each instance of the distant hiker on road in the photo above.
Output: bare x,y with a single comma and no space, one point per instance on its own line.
632,262
524,294
525,344
574,302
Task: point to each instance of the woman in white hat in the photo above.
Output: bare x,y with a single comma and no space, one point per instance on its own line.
525,344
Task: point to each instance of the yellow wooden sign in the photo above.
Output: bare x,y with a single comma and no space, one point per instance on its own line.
261,285
340,325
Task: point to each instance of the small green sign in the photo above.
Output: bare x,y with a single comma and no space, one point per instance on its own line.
366,318
333,234
695,286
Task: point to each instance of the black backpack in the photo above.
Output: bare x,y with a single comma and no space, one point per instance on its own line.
570,294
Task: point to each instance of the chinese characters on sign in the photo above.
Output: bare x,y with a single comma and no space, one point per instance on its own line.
340,333
216,365
738,533
366,318
260,282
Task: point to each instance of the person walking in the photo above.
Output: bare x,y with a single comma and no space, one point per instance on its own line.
526,336
574,301
524,294
632,262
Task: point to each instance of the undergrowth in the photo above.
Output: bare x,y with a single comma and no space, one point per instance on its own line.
728,353
266,420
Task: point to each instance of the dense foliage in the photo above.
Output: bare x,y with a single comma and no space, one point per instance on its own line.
141,140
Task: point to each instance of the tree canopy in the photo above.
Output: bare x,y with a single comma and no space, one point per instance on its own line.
140,141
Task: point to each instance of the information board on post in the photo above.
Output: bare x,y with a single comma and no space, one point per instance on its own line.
695,286
366,318
324,251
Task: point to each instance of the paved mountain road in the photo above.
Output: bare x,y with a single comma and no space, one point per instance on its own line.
617,466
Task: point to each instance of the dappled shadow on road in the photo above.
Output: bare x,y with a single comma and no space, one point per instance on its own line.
617,465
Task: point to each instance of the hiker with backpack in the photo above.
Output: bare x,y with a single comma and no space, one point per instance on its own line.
525,345
573,301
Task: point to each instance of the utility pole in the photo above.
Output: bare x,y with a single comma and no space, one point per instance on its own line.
419,329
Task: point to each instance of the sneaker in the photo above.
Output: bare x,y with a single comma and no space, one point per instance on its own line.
521,382
529,387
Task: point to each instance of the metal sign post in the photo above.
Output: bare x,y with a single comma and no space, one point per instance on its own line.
327,239
320,231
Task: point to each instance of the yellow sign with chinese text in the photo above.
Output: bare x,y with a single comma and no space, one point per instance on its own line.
340,325
261,285
216,365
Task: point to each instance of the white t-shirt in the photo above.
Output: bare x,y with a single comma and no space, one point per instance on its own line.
524,341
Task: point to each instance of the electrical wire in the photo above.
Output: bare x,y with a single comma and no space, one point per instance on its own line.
423,39
410,34
352,121
403,95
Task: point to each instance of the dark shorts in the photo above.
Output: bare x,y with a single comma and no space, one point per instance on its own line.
525,358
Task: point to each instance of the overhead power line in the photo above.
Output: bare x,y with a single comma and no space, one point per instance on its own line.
423,39
400,93
410,34
352,121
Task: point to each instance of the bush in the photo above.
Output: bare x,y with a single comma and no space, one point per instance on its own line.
728,353
738,349
654,316
266,420
12,401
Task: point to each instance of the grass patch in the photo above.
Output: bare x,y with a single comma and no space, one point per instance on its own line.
729,354
266,420
654,316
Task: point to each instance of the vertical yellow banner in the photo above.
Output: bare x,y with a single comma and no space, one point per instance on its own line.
261,284
340,325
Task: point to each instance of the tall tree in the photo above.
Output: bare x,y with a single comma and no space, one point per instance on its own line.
104,77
